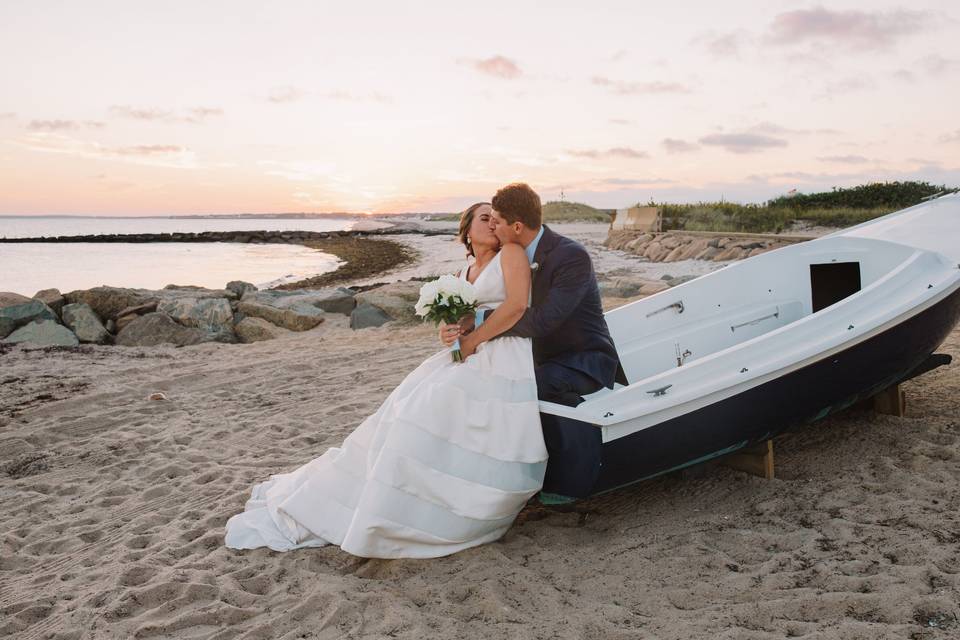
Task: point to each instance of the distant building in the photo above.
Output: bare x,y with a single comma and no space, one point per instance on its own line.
637,219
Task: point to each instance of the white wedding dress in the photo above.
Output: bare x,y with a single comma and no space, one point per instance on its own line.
446,462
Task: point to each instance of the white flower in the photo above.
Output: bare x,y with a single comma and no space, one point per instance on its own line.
449,293
468,293
449,285
428,293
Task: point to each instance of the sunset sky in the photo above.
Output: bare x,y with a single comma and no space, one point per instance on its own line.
136,108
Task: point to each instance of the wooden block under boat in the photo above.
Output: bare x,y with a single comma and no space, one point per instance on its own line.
756,460
891,401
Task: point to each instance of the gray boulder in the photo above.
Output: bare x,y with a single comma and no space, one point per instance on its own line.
330,300
240,287
192,291
210,314
84,323
106,302
123,321
397,300
43,332
673,282
138,310
17,315
334,300
52,298
366,315
256,330
8,299
7,326
620,288
158,328
293,316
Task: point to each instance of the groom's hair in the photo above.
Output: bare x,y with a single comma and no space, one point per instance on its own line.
517,202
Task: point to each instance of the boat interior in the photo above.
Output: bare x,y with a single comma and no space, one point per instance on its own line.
749,304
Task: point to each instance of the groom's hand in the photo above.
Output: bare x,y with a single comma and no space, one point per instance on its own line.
468,346
466,324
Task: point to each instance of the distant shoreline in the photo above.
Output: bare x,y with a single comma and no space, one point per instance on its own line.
363,256
234,216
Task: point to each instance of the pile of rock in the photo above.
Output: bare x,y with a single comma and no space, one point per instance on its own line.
627,284
186,315
672,246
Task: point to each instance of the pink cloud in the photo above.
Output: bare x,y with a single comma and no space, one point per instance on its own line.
639,88
742,142
148,150
673,145
497,66
193,115
281,95
848,159
614,152
951,137
852,29
723,45
936,65
63,125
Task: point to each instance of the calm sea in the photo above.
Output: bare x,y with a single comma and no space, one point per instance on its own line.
29,267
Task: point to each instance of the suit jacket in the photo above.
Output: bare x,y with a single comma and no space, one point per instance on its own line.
565,318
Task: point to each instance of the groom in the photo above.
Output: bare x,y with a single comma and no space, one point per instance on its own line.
573,352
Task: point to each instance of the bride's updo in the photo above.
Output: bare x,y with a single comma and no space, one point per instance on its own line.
466,220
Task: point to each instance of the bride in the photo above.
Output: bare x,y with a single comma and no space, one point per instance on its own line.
446,462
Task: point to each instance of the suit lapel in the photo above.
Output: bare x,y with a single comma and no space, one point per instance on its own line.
547,243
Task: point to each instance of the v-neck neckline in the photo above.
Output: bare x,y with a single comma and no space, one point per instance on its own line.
482,271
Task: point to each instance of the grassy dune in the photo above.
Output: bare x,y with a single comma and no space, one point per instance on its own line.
560,212
573,212
752,218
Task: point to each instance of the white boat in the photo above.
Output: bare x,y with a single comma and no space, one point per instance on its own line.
762,345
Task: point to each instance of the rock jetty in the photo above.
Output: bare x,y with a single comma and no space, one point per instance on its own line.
188,315
671,246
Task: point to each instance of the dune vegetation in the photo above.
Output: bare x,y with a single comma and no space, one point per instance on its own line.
840,207
565,211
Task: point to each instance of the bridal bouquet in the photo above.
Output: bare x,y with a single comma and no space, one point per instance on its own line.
447,299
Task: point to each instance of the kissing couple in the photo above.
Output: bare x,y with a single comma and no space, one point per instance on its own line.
456,450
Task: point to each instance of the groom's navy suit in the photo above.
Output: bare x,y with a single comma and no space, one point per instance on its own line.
572,348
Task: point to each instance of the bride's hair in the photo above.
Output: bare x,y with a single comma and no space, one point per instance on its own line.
466,219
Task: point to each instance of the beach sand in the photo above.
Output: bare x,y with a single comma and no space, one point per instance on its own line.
112,509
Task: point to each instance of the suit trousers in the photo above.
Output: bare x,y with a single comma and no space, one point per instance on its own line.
563,385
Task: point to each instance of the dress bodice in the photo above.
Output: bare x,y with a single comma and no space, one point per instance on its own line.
489,285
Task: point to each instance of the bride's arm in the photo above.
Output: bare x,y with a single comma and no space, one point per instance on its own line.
516,277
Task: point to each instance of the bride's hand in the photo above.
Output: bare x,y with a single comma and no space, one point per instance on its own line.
449,334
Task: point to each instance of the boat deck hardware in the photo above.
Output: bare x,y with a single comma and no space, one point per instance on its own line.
682,356
678,305
775,314
659,391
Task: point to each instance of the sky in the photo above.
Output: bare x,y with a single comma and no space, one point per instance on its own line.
165,108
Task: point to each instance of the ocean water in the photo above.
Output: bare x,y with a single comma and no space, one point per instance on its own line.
29,267
47,226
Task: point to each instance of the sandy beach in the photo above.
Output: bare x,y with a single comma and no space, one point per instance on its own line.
113,508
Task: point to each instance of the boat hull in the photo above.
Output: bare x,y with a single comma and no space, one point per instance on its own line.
581,465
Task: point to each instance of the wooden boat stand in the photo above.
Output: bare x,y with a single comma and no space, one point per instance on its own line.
757,459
